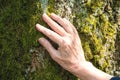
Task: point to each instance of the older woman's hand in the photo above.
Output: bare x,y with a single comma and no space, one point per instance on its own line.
70,53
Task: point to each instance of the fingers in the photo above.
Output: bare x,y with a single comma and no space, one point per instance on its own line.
52,35
73,29
52,51
62,22
57,28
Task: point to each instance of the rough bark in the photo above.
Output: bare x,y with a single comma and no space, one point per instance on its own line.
116,14
22,58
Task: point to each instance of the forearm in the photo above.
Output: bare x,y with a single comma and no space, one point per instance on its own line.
87,71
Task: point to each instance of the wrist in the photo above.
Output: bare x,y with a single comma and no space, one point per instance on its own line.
77,68
86,71
80,67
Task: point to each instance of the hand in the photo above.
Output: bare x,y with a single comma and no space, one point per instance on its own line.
70,53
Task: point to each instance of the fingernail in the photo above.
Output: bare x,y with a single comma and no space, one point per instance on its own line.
41,40
52,14
44,14
37,25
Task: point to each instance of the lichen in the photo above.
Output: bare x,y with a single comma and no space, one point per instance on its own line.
21,56
97,33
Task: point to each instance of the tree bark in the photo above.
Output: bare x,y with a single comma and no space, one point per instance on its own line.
21,56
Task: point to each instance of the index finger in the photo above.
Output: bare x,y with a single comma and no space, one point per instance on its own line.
49,33
56,27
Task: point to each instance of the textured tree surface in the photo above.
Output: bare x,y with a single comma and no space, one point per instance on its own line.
116,13
21,56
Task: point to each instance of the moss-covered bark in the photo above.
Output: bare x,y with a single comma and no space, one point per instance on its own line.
116,13
22,58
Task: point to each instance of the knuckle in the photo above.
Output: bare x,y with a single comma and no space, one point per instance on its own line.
56,58
58,18
66,43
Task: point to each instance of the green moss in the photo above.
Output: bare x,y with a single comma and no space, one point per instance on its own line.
97,33
22,58
18,42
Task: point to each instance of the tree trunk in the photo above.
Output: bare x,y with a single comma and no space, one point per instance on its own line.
116,13
21,56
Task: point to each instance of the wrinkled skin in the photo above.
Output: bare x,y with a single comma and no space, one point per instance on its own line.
70,52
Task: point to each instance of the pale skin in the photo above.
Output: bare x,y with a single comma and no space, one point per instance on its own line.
70,54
